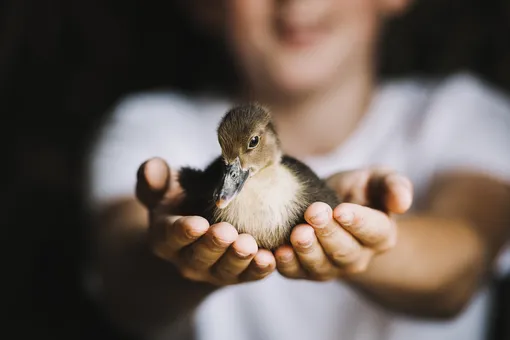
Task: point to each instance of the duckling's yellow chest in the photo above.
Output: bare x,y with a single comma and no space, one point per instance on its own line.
267,207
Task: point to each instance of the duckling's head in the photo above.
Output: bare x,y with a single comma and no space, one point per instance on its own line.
249,144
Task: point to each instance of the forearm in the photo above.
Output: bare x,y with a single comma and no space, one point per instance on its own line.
141,292
432,272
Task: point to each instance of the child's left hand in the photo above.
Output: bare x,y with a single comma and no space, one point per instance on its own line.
343,241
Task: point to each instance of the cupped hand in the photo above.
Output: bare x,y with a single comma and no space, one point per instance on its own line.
342,241
215,254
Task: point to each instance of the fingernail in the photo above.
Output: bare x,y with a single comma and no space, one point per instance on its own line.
220,243
407,199
285,257
242,256
193,233
263,265
320,219
399,183
346,218
403,182
305,244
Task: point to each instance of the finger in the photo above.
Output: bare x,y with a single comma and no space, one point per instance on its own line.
351,185
156,181
152,181
310,253
360,264
370,227
236,259
389,191
172,233
261,266
339,245
287,263
209,248
399,193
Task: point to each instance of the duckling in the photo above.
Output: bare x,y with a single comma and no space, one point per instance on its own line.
253,185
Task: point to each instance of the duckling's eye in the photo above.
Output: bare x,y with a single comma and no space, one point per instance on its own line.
254,141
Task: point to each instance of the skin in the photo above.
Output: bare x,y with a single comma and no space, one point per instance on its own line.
426,264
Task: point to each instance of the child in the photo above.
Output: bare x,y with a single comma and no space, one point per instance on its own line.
312,63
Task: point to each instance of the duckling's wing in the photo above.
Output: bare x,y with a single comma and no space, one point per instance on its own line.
315,189
199,186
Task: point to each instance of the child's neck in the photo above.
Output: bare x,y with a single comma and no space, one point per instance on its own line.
320,123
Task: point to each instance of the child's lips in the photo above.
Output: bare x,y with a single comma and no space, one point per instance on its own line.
300,35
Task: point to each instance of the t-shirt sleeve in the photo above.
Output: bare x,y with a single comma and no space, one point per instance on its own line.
468,128
138,128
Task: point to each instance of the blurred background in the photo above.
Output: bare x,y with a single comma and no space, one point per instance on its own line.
63,63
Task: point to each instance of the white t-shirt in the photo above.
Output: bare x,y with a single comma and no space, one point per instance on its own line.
418,127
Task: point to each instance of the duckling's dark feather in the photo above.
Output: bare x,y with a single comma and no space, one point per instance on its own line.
198,186
315,189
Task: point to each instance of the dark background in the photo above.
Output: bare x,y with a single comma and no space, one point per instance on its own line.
62,65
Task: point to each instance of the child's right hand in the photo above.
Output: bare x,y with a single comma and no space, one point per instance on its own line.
215,254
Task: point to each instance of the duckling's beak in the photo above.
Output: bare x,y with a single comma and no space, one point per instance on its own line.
231,183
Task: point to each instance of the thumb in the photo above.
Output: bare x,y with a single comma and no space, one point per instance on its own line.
350,185
153,181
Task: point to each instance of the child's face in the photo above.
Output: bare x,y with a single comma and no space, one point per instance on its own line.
293,46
